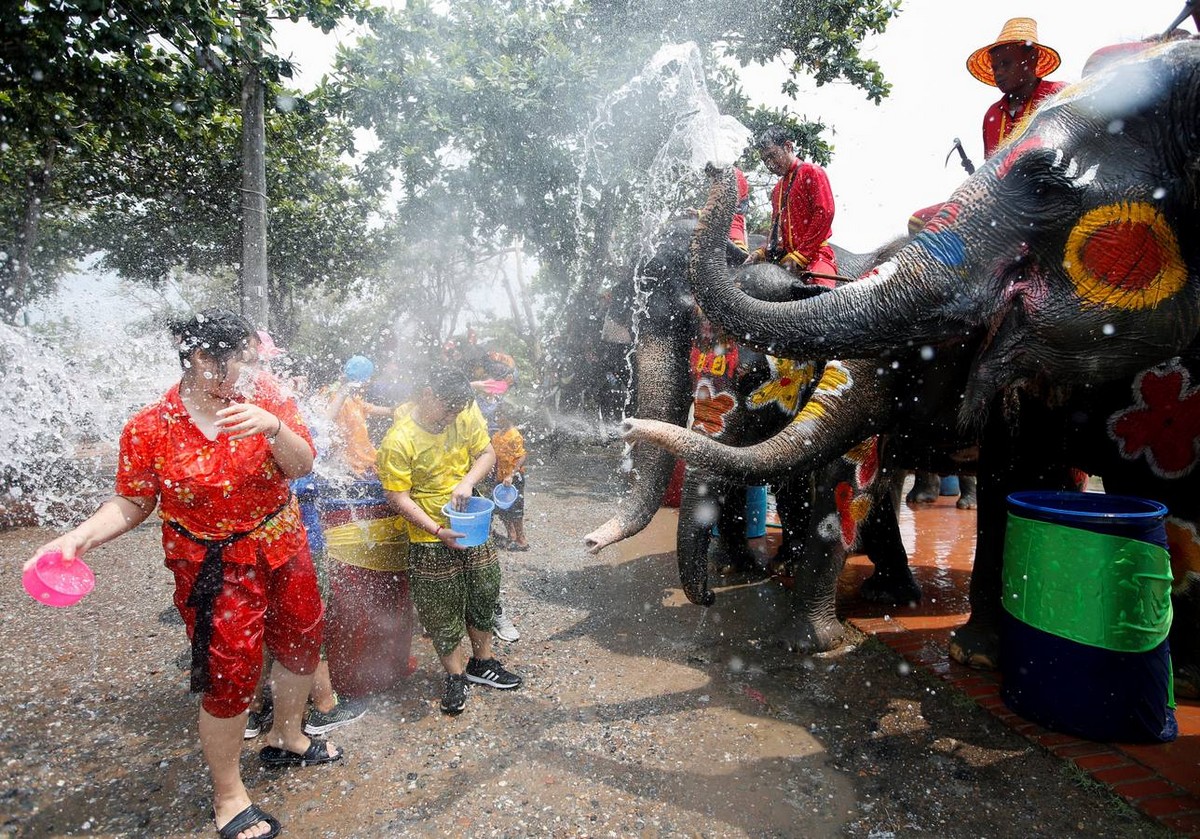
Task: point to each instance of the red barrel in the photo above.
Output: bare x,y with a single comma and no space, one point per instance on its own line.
370,619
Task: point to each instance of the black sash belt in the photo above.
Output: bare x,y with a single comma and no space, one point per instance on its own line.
203,596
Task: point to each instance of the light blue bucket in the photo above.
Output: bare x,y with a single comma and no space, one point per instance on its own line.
756,513
504,496
475,522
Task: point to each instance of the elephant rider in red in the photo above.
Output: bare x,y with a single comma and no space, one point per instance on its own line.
1017,64
737,227
801,211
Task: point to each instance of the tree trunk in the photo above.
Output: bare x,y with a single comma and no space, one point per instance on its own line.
16,295
255,302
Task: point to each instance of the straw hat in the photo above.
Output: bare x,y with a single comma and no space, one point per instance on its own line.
1018,30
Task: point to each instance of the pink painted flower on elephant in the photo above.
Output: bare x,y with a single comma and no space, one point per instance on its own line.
1163,424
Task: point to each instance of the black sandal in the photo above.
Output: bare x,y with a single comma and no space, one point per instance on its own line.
245,820
316,754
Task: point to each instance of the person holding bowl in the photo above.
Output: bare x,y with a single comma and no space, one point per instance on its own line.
215,454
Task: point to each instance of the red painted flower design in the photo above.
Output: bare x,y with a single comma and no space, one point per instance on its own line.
1163,424
711,407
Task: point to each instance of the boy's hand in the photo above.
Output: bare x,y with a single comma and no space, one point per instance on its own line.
459,496
450,538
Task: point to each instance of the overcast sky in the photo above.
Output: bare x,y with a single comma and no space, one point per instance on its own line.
888,159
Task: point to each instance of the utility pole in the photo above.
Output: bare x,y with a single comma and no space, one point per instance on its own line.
255,302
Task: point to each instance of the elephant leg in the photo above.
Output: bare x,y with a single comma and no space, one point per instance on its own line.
793,503
892,580
817,561
968,500
927,486
698,508
1009,460
1185,645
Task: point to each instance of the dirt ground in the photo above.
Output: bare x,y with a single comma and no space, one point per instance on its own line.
641,715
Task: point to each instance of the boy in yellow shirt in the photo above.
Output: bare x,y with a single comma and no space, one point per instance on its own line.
435,453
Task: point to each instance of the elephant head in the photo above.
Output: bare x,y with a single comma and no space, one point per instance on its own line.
1071,251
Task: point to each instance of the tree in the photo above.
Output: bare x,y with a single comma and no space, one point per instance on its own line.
82,82
494,101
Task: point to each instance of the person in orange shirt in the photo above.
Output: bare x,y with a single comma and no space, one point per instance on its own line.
1017,64
510,471
351,444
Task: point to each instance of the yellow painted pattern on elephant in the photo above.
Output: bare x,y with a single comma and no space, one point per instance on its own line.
1184,547
789,379
835,381
1124,256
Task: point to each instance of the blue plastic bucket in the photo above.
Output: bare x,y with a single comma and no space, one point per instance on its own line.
1087,608
475,522
504,495
756,513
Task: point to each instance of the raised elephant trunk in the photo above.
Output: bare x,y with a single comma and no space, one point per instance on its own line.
865,318
663,389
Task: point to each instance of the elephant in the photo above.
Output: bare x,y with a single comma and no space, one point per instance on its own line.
1065,271
743,396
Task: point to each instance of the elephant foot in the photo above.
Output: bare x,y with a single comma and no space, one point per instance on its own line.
927,486
967,500
976,645
809,636
893,588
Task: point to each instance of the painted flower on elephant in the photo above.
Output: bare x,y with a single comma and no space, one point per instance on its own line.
787,386
852,509
1184,547
835,380
711,407
1163,424
865,457
1124,255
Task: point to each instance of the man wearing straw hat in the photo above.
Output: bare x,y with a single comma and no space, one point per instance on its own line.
1018,65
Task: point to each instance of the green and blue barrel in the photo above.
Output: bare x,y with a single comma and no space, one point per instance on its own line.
1087,609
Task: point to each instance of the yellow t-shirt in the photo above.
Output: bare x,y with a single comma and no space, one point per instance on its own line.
429,466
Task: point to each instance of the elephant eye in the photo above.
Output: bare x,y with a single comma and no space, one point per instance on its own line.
1040,187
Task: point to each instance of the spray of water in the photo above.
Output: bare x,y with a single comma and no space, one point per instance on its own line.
92,354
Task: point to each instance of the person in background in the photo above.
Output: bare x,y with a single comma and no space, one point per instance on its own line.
435,453
352,446
215,454
326,710
1017,64
801,211
509,446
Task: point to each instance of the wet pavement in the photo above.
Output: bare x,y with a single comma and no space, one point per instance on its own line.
642,715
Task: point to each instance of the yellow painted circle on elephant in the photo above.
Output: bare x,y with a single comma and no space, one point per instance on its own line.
1124,255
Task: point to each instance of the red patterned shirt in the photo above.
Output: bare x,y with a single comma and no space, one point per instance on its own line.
213,488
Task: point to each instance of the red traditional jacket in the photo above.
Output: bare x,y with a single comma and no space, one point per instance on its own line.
737,227
801,217
214,488
998,124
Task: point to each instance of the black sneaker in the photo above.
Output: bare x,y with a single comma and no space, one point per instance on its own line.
491,673
454,694
259,721
345,711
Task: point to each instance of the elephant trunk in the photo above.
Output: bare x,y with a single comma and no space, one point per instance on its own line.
901,303
853,401
663,389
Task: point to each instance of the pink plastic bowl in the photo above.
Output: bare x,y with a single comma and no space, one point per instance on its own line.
57,583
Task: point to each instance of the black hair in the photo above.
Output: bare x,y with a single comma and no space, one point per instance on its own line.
219,332
775,135
449,384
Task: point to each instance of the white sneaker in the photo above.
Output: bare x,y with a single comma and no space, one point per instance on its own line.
503,628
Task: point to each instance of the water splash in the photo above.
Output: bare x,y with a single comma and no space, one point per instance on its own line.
92,354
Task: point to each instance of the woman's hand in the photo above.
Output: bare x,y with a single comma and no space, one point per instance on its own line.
70,545
243,419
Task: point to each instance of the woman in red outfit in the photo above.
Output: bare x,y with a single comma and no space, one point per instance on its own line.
215,454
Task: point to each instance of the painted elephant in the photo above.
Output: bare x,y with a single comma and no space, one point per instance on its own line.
1069,267
742,396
